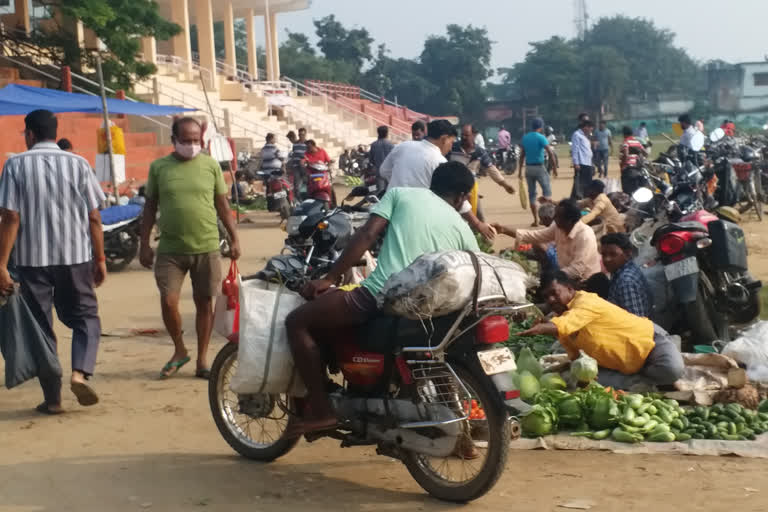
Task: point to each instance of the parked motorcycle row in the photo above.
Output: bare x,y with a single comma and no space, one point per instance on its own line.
683,219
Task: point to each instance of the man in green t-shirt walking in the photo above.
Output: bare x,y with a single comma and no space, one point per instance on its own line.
188,189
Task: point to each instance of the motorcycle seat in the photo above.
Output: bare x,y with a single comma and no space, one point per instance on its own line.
115,214
691,226
385,333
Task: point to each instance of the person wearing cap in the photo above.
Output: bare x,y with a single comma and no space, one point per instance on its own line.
535,145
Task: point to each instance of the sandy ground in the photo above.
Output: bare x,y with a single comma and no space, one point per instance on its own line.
152,445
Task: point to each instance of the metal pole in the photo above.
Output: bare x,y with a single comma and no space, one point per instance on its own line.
107,130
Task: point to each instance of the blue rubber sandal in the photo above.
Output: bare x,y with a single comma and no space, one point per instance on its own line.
171,368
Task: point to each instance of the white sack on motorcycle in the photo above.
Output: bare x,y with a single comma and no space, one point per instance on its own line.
264,361
439,283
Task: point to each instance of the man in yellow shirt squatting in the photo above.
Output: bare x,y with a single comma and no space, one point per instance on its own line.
631,351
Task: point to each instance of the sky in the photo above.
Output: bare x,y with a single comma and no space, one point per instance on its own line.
734,31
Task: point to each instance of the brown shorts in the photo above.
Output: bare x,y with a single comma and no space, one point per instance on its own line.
204,271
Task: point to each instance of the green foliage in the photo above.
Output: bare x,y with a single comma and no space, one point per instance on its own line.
299,61
654,63
119,24
620,56
458,64
342,45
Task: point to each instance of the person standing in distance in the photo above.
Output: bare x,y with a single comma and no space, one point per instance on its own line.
581,153
59,247
604,149
535,145
188,189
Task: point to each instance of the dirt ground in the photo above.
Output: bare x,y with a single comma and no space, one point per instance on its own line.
152,445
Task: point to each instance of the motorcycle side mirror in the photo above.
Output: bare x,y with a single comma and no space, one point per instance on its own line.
717,135
642,195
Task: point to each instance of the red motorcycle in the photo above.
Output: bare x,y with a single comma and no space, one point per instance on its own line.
436,395
279,193
319,183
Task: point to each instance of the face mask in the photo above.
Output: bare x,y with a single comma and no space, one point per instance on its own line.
188,151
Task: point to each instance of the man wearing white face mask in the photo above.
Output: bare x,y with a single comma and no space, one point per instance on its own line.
189,190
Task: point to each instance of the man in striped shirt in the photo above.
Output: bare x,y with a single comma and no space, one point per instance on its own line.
50,200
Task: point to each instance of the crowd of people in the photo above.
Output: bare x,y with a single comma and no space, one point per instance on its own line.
432,203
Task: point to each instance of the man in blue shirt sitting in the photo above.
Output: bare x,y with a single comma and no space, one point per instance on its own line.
535,145
628,288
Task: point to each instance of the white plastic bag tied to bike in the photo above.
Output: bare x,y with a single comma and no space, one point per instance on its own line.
265,363
440,283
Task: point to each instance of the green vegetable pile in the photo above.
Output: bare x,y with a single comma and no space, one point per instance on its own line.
259,203
530,266
539,345
596,413
353,181
484,244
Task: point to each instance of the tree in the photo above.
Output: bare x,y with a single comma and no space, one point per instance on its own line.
398,78
339,44
119,24
654,64
457,65
552,78
607,76
299,61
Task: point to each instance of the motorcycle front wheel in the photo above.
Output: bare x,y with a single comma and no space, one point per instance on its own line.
253,425
481,451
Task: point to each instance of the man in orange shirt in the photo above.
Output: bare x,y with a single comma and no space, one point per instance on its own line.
630,350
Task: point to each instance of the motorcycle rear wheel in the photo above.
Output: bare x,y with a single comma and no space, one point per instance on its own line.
118,261
434,474
226,409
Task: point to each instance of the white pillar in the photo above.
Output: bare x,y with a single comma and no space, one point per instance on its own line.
205,42
149,49
180,42
230,55
268,42
250,29
275,46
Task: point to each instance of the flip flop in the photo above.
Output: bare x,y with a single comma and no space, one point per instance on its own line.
203,373
44,409
86,396
173,365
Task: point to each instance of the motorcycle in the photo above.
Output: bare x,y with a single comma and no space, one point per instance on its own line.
739,173
507,159
279,191
702,284
319,186
121,226
437,398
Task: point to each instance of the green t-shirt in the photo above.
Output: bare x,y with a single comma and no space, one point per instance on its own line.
419,222
185,194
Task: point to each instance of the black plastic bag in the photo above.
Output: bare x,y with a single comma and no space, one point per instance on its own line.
27,350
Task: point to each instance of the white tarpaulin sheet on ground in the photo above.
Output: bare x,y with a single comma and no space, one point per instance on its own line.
754,449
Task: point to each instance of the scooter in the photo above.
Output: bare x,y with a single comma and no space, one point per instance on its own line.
279,192
121,226
319,186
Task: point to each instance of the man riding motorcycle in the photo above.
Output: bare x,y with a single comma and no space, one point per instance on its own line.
416,221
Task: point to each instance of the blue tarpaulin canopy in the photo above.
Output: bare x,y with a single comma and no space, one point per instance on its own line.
22,99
